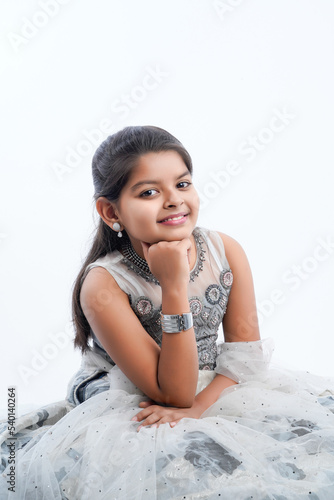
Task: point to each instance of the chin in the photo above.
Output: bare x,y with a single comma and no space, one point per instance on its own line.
175,234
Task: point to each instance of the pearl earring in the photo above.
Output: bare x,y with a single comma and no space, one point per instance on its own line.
117,227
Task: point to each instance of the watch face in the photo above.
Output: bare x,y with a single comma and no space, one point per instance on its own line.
171,323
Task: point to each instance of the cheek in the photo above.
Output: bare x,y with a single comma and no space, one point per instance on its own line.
138,212
195,201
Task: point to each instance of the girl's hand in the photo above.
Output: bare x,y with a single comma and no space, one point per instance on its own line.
169,261
154,415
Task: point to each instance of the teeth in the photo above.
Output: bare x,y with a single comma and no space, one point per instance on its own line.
175,218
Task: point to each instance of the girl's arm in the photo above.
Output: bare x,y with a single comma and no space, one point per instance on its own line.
240,325
167,375
155,415
240,321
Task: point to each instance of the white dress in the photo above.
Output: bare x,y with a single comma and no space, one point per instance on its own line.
271,437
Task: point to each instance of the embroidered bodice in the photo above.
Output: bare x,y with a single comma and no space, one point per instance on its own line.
208,291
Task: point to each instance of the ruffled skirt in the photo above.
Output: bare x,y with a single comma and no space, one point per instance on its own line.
268,438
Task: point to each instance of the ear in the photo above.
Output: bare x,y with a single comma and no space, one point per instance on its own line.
107,211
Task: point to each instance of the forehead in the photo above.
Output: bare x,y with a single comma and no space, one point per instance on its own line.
157,167
158,162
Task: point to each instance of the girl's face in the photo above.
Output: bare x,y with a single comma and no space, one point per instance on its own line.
159,187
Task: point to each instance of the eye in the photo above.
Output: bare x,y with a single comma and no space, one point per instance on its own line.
184,182
147,194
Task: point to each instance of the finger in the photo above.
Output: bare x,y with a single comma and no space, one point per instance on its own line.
151,420
176,421
186,243
146,404
186,246
139,417
143,414
155,420
167,419
145,247
189,255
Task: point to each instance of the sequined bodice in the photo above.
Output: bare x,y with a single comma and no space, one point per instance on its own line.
208,292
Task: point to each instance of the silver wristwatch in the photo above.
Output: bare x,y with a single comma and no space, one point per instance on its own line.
175,323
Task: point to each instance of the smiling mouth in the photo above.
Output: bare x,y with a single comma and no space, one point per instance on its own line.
174,218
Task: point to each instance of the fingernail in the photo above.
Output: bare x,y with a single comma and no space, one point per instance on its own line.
134,419
172,424
153,426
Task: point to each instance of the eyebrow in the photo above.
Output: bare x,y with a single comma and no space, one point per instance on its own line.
135,186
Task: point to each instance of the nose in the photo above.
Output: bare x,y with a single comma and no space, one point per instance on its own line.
173,198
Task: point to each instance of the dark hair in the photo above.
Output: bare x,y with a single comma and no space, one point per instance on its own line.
112,165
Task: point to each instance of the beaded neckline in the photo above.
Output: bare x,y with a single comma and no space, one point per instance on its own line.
139,266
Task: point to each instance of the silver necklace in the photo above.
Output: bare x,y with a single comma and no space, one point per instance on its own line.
139,265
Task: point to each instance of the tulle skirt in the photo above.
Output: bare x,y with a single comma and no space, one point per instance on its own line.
268,438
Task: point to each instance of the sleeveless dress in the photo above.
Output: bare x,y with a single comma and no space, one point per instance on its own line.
270,437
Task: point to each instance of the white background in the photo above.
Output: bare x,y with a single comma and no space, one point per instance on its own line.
223,70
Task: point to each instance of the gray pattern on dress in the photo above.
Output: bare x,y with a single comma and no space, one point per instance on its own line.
207,311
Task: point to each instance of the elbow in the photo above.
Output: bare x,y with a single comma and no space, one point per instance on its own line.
180,394
180,400
186,403
176,400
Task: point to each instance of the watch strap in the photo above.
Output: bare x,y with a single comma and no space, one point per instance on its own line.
176,323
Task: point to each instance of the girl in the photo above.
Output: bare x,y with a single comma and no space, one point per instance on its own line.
158,409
